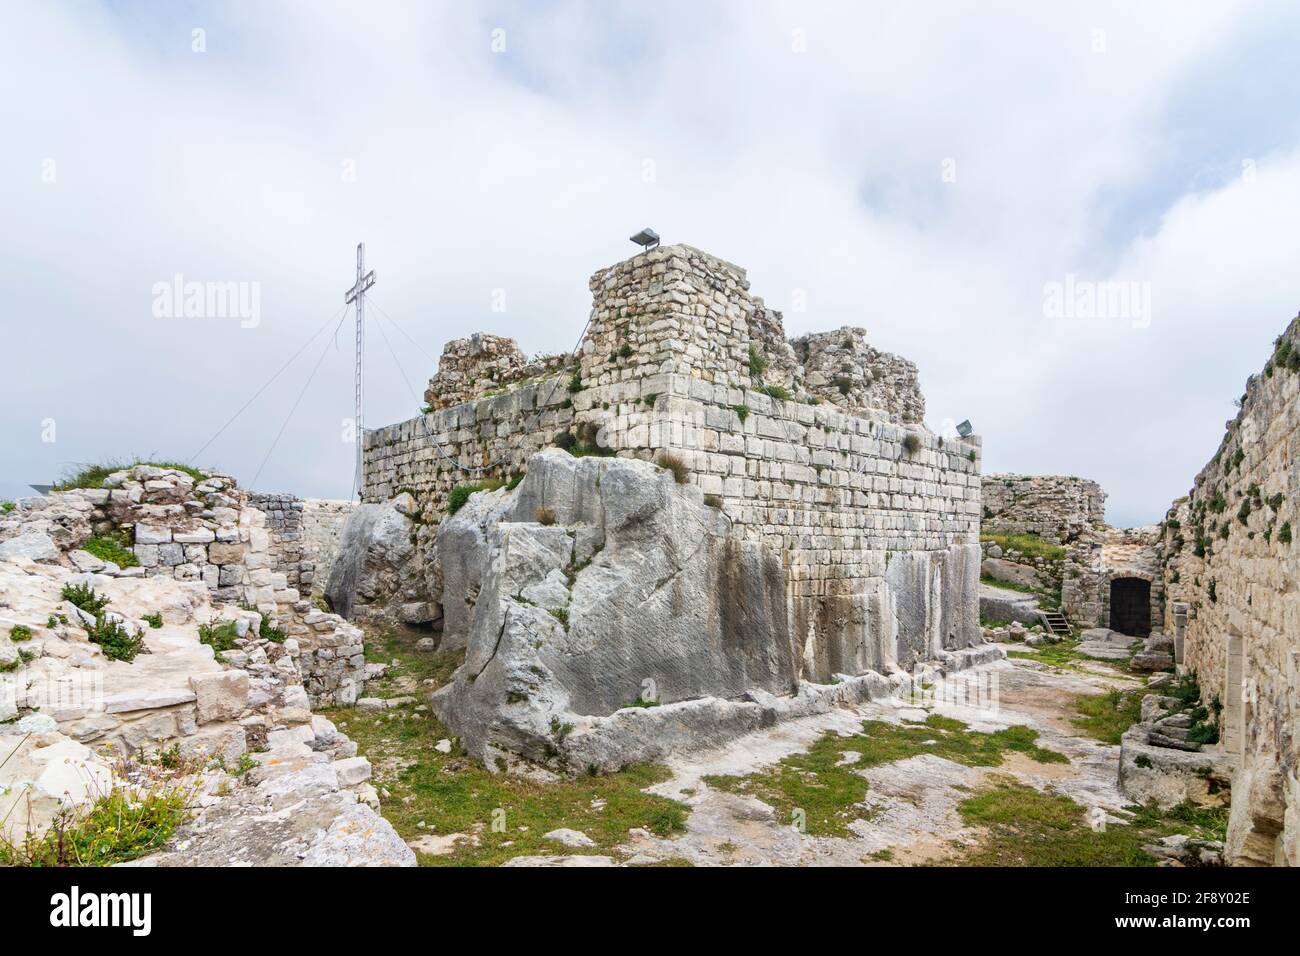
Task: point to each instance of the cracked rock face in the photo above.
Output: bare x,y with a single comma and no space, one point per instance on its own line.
609,615
633,590
375,571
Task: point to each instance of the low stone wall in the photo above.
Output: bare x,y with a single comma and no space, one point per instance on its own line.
75,726
244,549
1231,575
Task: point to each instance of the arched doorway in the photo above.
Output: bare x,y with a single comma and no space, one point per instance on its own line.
1130,606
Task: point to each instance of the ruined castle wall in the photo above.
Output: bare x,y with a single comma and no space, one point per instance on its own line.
878,520
1231,572
1057,508
283,525
841,368
484,438
673,309
860,517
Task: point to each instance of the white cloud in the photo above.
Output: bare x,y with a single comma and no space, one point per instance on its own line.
523,171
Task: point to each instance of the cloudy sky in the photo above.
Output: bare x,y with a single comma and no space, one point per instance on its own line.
929,171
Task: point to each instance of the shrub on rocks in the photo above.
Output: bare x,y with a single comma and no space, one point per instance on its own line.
671,462
219,636
110,549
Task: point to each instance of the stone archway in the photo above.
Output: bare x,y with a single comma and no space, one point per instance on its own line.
1130,606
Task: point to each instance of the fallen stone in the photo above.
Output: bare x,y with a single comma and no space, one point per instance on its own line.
33,545
570,838
220,696
353,771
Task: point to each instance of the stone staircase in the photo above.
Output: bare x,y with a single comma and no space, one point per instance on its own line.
1055,623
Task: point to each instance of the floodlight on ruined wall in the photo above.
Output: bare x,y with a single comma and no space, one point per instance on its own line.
965,429
647,239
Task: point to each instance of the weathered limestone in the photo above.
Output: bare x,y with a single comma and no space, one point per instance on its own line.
1057,508
631,589
845,526
1234,608
841,368
377,572
73,723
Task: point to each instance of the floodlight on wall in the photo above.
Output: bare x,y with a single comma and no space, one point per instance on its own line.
965,429
647,239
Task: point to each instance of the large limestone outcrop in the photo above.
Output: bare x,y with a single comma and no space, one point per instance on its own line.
376,572
601,585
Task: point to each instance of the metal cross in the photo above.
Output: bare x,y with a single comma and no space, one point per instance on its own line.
357,294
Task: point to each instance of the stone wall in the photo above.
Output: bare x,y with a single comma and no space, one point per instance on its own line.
283,526
1231,572
863,506
489,437
1057,508
1070,512
840,367
473,367
1094,561
322,526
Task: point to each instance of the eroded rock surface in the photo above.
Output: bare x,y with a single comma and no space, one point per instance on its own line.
609,615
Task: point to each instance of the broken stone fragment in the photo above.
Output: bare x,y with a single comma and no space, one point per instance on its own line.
220,696
570,838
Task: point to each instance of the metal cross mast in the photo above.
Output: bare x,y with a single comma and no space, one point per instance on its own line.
357,294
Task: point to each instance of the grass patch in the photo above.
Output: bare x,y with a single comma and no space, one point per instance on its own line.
1007,585
1064,654
460,494
1030,545
674,464
119,827
108,548
450,793
19,633
220,636
829,794
1105,717
1025,827
92,476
